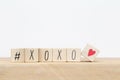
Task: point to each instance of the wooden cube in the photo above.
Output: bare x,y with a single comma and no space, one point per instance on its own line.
59,54
90,52
46,54
17,55
73,54
31,55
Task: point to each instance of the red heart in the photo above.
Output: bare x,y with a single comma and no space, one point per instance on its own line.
91,52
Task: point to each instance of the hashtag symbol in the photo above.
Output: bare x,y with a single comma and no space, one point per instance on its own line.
17,56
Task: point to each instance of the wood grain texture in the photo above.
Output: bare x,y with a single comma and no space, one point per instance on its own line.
102,69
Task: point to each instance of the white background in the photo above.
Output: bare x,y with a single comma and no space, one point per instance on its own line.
60,23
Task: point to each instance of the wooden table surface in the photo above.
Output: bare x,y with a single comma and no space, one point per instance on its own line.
102,69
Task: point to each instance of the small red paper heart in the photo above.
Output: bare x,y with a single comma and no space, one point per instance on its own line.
91,52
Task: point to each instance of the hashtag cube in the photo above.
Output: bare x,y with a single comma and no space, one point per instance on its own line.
17,55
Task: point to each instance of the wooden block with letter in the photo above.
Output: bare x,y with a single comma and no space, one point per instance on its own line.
73,54
46,54
31,55
17,55
59,54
